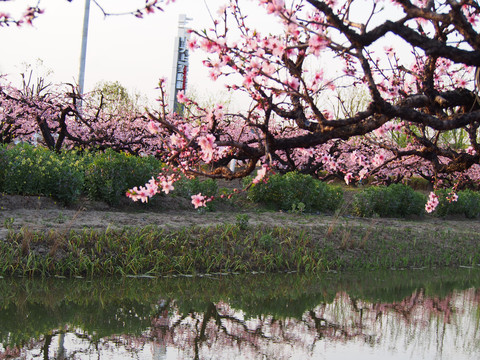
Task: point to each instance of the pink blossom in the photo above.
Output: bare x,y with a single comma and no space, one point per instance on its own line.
325,158
214,74
218,111
181,98
307,152
292,29
207,144
221,10
453,197
207,45
151,187
294,83
319,75
333,165
167,184
260,52
378,159
248,81
255,64
144,192
177,141
275,6
276,46
132,194
462,83
472,19
348,178
429,208
389,51
363,173
192,44
432,202
206,141
381,131
153,127
198,200
317,44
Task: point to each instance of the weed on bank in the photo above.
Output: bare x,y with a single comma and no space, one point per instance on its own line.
231,248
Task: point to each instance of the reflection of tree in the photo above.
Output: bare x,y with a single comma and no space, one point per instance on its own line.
278,324
408,307
219,327
9,353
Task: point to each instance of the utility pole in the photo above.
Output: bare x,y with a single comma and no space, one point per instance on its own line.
83,55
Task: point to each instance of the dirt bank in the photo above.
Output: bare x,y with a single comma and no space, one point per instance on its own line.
43,214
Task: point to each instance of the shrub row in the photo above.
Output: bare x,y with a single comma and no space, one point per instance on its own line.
398,200
294,191
104,176
467,204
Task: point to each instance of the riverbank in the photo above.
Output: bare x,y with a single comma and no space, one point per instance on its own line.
92,239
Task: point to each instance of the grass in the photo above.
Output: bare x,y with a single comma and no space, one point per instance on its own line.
232,248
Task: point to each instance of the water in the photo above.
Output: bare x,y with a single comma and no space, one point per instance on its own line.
375,315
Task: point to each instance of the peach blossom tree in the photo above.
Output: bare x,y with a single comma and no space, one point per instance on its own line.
416,59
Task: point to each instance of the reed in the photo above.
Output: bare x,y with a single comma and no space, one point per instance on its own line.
231,248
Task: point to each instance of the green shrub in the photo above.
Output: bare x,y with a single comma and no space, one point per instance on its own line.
109,175
187,187
470,201
396,200
3,165
467,204
28,170
286,192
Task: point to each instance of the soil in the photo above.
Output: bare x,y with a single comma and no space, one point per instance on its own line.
44,214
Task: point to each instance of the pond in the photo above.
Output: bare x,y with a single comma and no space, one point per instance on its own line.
421,314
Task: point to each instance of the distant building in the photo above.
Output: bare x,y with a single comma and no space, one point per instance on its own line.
180,64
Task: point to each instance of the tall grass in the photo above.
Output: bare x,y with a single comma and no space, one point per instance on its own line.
230,248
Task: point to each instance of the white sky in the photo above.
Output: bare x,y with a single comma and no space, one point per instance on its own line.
135,52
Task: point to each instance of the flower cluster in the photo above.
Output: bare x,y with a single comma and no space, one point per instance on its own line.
144,192
452,197
200,200
432,202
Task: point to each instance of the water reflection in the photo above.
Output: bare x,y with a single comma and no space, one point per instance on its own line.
395,315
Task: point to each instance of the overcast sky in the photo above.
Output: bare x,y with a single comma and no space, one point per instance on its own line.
135,52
